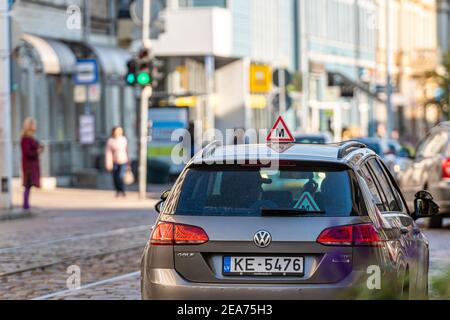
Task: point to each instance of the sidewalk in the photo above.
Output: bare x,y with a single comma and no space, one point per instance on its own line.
64,198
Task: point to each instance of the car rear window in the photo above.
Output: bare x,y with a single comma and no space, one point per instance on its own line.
249,191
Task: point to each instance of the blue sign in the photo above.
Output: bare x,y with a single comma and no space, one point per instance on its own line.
86,72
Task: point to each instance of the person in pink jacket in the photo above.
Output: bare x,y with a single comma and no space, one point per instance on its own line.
31,149
116,159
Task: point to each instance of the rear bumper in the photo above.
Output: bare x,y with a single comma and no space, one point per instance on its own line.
167,284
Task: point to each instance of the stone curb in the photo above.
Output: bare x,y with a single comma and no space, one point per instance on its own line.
15,214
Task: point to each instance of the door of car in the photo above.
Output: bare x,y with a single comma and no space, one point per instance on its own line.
411,249
426,170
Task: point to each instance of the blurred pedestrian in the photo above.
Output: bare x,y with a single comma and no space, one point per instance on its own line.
31,149
117,159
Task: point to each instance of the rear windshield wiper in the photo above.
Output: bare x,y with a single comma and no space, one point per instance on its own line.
287,212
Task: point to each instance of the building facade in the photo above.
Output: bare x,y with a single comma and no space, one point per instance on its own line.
443,24
414,43
218,50
341,51
51,37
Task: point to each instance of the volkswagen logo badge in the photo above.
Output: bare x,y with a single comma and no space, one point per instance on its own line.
262,239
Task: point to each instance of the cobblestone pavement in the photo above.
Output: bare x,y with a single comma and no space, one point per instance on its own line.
42,281
439,250
102,235
127,288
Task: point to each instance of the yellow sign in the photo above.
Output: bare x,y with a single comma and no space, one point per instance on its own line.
186,101
260,78
258,101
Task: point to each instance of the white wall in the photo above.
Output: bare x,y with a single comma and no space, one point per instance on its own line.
197,32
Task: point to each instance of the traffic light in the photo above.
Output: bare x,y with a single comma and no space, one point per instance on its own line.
130,78
144,70
157,73
143,74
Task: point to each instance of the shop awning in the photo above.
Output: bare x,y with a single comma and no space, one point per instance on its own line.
56,57
113,60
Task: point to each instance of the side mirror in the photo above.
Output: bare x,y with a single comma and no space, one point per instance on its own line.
424,206
164,197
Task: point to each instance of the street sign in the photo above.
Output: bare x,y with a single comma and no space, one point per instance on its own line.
157,18
260,78
276,102
87,129
86,71
277,75
93,91
280,132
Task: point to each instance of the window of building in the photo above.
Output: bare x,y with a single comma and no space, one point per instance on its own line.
203,3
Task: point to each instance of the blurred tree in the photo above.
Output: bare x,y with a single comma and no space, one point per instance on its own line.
442,77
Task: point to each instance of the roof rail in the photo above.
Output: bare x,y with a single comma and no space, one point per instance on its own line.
346,147
211,147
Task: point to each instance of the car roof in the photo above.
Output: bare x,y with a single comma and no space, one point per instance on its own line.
289,151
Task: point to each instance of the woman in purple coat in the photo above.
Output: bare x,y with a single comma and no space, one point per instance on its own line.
31,149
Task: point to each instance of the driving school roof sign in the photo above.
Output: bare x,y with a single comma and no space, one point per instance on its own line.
280,133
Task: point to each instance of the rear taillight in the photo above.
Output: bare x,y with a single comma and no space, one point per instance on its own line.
354,235
446,168
167,233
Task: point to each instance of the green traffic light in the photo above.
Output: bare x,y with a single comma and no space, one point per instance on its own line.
131,78
143,78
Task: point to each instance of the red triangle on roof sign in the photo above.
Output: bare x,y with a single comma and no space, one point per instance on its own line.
280,132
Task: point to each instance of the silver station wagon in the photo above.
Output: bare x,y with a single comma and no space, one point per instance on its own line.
287,221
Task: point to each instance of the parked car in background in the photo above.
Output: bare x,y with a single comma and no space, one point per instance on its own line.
395,156
430,170
314,138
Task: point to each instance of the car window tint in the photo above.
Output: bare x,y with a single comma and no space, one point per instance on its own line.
397,195
374,189
391,202
245,191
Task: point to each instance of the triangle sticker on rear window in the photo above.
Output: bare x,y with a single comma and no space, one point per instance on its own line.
307,203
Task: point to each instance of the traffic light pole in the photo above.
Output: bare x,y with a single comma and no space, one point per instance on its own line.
145,97
305,125
282,87
389,67
5,109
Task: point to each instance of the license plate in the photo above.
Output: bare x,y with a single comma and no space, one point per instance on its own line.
263,266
